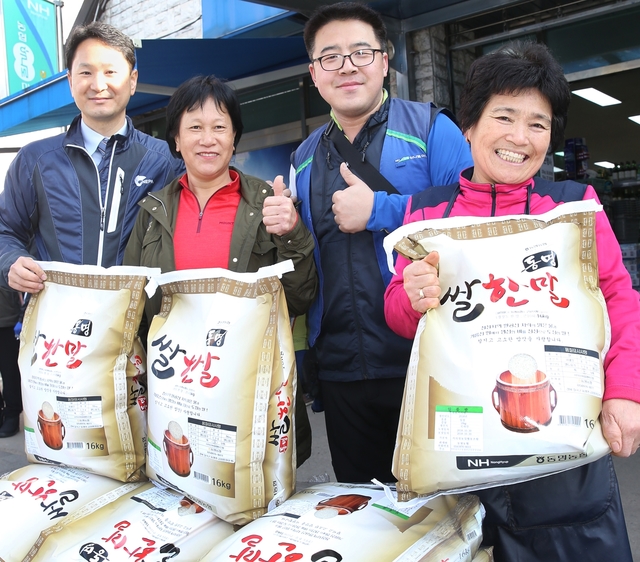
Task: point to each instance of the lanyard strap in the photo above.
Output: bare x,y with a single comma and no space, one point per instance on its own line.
363,169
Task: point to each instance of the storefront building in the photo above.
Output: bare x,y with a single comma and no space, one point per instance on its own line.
258,47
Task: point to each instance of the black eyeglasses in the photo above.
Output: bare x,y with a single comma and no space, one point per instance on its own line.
361,57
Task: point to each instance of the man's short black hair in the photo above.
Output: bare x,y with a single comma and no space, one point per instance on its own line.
512,69
343,11
193,94
104,33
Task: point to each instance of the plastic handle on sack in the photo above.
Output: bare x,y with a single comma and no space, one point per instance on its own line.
88,269
151,287
278,269
392,496
408,229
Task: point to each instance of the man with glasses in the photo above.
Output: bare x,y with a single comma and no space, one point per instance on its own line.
361,362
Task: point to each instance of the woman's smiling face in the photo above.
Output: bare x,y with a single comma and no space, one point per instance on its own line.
205,140
511,139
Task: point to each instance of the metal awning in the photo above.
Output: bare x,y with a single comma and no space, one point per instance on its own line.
163,64
410,15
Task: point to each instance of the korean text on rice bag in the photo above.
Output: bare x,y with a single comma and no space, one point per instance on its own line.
506,376
37,497
221,391
82,367
148,523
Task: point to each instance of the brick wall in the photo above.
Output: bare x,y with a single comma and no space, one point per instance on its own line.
430,67
167,19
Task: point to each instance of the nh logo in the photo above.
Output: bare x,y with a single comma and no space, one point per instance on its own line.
39,9
477,463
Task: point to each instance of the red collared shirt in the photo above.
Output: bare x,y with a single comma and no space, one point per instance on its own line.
203,236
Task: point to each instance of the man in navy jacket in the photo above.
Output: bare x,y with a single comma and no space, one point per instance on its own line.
73,197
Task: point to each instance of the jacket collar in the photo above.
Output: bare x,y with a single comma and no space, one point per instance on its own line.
378,115
253,192
487,196
371,126
74,135
466,183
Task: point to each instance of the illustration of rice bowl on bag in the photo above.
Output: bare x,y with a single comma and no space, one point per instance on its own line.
222,382
177,449
341,505
50,426
83,370
506,375
524,396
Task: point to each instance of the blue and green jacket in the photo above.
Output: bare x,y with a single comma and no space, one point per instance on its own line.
413,154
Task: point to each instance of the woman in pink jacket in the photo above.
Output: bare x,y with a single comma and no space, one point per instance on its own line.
513,109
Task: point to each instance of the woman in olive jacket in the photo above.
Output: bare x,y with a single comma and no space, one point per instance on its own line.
252,247
216,216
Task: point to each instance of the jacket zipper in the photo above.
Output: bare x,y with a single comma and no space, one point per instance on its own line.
101,203
118,190
361,351
202,210
199,221
364,150
493,199
356,319
106,195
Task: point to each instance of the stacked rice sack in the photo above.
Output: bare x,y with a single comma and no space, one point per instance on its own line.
35,498
148,523
221,433
346,522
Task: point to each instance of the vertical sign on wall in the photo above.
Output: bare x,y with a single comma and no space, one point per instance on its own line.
31,42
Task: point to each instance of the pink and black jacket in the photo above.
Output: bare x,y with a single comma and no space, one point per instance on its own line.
535,197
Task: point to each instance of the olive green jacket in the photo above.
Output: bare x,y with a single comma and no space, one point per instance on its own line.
252,247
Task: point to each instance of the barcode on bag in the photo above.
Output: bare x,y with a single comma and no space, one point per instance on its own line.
201,477
472,535
75,445
570,420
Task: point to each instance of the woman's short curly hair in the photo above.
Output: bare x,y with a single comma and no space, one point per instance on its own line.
512,69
